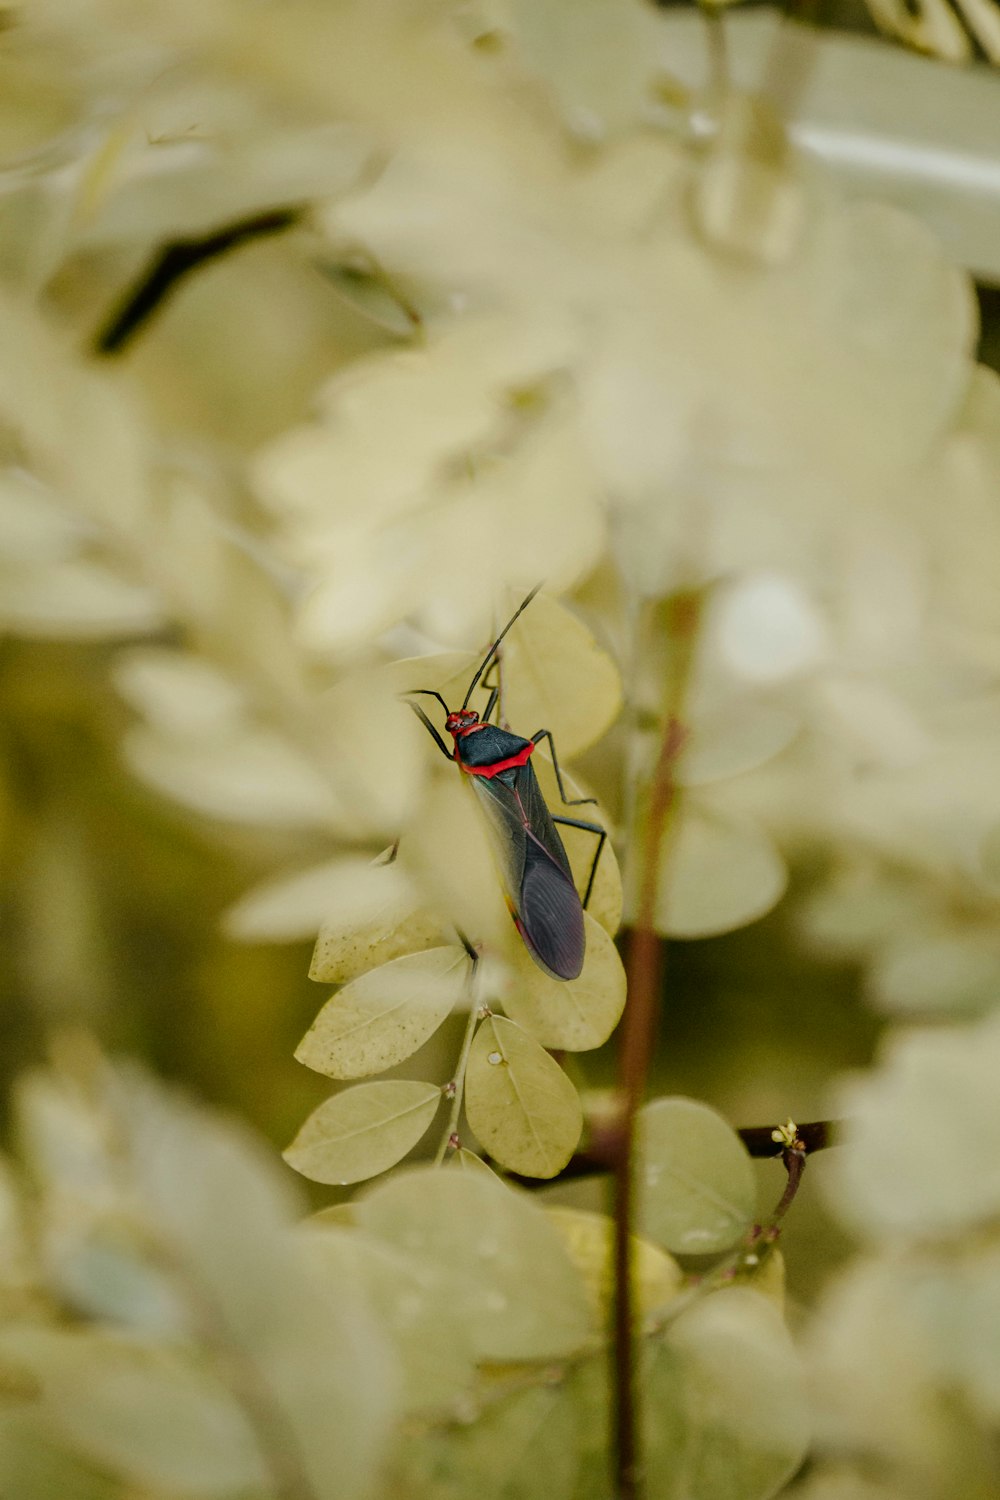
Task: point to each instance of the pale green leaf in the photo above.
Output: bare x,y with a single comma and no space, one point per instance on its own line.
214,1198
588,1387
860,907
518,1448
79,598
256,776
470,1162
286,909
382,1018
598,59
921,1141
724,1399
944,972
150,1414
605,904
572,1014
34,527
696,1187
734,737
373,915
498,1260
989,855
363,1131
429,1335
871,1369
717,874
36,1464
447,851
110,1277
519,1103
557,677
178,692
369,293
589,1238
372,750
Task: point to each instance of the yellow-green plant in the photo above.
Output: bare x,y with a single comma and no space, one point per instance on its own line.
327,331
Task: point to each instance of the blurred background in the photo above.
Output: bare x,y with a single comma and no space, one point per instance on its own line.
113,897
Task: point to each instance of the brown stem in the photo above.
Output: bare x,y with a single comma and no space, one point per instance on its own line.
602,1149
643,968
795,1164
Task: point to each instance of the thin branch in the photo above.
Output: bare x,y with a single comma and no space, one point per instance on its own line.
169,266
761,1140
601,1151
455,1088
637,1040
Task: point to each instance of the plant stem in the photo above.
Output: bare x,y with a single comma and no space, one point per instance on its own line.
638,1036
455,1089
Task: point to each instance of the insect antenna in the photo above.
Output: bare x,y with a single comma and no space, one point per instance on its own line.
491,653
427,693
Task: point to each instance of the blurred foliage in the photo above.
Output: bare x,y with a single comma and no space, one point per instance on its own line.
539,311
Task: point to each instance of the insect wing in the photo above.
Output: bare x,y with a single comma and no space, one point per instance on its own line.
508,834
535,872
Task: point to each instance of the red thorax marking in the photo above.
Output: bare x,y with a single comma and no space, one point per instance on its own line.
512,761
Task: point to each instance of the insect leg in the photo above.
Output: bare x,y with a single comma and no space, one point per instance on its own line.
601,833
425,721
546,734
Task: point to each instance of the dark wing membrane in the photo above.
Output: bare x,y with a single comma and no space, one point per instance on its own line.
550,918
507,832
539,819
535,871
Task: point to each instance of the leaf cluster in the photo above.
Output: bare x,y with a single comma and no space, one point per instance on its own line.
168,1330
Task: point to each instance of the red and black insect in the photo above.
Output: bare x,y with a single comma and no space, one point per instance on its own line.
534,867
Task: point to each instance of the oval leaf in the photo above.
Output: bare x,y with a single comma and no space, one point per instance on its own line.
430,1337
256,776
494,1257
557,677
373,915
520,1447
151,1414
696,1188
937,972
519,1103
734,737
448,852
718,874
382,1018
725,1400
363,1131
605,904
573,1014
589,1238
